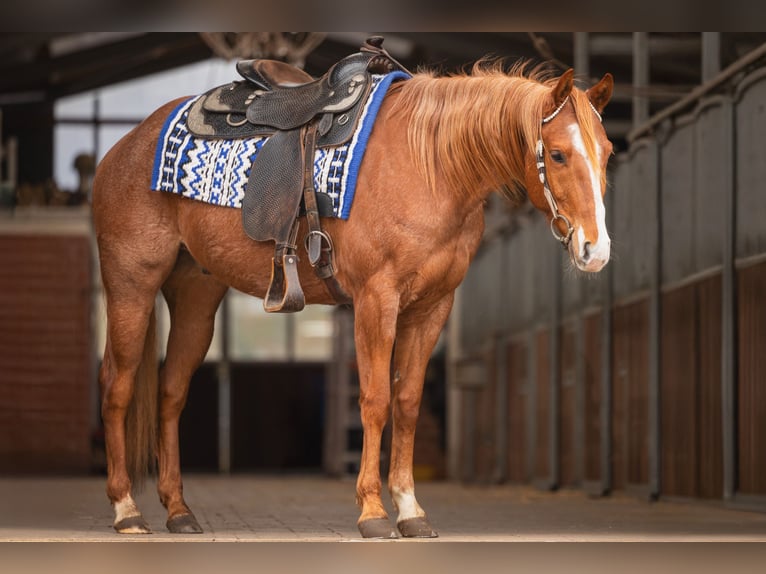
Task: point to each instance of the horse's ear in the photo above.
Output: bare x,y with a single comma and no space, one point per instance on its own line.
601,93
563,87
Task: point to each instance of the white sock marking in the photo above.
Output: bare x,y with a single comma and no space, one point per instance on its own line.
407,505
125,508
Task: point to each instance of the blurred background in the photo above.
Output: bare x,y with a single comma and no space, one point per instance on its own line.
647,378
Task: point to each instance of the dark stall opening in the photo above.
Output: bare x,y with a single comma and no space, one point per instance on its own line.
198,428
277,417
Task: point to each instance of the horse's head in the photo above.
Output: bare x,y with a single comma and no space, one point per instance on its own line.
568,179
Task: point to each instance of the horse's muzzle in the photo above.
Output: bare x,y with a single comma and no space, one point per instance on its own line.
588,257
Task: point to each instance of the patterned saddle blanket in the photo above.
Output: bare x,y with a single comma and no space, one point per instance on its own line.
217,171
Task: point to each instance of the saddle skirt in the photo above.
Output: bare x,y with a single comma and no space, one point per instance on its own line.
216,169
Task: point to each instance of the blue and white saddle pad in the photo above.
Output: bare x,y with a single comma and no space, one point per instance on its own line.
216,170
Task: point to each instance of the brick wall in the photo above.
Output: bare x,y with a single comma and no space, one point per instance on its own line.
45,360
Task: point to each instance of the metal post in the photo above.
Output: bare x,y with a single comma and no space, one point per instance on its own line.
331,447
468,468
582,69
711,55
531,414
501,409
2,155
582,58
454,394
728,314
579,419
654,335
224,393
554,377
96,125
501,374
605,407
640,77
12,154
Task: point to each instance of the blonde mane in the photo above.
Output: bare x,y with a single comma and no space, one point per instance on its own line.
475,129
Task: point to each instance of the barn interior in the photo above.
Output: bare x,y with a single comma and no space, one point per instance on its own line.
645,380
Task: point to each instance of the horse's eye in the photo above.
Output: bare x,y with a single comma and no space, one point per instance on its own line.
557,156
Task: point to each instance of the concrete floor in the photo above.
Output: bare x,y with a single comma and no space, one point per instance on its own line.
318,509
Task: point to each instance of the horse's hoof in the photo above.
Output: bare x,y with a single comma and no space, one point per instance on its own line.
184,524
133,525
417,527
376,528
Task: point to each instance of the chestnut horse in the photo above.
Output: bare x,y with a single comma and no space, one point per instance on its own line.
439,147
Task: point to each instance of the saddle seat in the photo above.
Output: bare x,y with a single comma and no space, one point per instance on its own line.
270,74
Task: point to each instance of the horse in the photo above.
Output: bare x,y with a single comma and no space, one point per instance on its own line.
440,145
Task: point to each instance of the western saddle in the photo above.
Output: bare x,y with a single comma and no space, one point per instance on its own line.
298,114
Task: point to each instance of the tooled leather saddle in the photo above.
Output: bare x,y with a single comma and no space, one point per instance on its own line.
298,114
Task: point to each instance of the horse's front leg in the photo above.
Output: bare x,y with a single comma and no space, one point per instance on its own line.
416,337
375,313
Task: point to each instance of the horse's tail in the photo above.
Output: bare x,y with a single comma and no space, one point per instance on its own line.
141,420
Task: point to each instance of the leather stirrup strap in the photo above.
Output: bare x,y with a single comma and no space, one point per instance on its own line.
314,240
320,258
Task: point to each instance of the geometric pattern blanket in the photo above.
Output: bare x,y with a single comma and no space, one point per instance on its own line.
216,170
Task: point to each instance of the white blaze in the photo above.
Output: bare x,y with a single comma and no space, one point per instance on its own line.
599,249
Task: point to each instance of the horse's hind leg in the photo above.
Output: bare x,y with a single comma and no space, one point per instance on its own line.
122,357
416,336
128,376
193,298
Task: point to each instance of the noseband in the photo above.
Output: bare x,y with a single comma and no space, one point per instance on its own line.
540,153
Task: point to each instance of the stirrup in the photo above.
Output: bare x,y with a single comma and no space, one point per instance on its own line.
285,294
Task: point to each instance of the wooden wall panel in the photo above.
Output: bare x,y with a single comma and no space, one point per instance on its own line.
630,392
517,412
485,425
592,335
678,384
568,408
710,436
542,407
638,396
691,420
752,376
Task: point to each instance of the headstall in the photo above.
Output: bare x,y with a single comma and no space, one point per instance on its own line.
540,155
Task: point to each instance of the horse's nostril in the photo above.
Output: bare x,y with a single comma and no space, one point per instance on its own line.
586,251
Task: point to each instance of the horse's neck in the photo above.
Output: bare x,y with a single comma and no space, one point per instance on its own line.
474,134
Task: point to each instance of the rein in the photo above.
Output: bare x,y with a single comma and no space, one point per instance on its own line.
540,156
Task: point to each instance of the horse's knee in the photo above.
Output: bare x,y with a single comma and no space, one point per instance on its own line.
407,406
374,409
116,400
172,400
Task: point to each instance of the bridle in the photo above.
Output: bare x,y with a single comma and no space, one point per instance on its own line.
540,155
